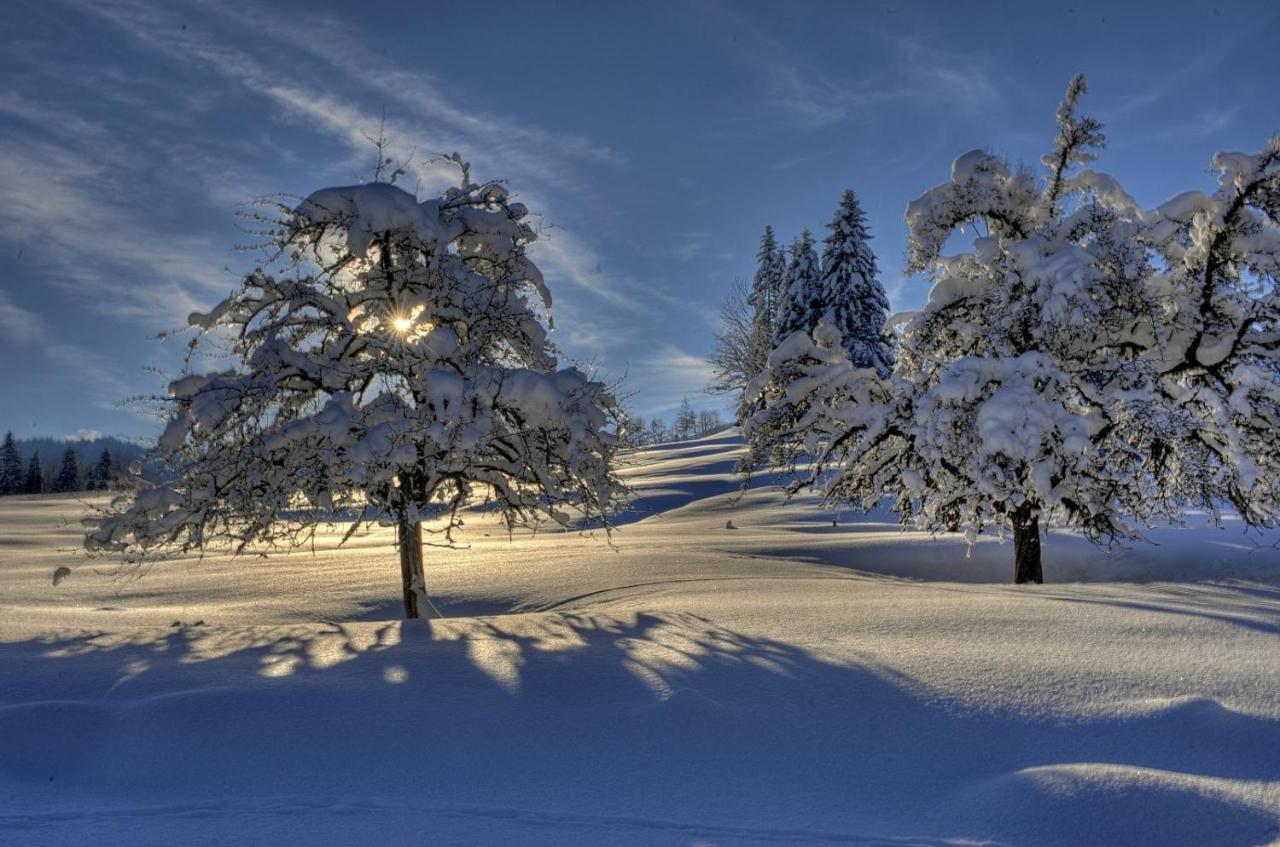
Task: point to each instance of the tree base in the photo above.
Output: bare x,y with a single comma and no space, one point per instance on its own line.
1026,548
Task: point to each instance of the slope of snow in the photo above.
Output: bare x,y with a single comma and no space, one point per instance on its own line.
786,681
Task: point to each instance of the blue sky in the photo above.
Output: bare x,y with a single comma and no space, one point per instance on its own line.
655,139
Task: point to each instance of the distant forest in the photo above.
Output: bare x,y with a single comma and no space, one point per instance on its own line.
39,465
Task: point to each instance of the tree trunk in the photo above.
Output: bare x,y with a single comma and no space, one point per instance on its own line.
1026,546
409,539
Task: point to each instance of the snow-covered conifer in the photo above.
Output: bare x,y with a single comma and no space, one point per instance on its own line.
393,367
767,289
799,309
828,315
768,284
850,287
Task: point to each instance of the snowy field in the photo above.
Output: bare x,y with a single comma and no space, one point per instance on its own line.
785,681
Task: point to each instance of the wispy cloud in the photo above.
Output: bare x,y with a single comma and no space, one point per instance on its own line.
668,375
27,330
83,233
907,72
428,123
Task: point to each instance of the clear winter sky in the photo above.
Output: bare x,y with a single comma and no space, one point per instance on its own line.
657,139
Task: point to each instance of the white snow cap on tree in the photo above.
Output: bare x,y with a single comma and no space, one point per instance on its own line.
393,366
1083,360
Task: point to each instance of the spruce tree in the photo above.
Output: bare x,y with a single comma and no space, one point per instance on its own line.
768,284
802,304
68,478
767,289
10,466
854,300
104,472
34,482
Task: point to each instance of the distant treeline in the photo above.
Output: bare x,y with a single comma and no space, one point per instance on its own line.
688,423
42,465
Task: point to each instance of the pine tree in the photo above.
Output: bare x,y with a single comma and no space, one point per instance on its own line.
768,285
802,306
10,466
855,302
781,427
393,365
767,289
1086,362
103,474
34,480
68,478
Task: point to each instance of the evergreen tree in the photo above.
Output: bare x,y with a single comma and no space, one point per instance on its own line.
390,361
855,302
34,481
802,306
767,288
68,478
103,474
10,466
768,285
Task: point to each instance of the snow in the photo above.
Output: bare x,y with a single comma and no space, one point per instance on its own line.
784,682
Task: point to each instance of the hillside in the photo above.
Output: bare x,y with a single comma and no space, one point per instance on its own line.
784,681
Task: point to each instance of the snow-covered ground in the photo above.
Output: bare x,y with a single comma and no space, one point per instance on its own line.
785,681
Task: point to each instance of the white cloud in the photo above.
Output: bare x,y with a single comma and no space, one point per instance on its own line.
84,435
668,375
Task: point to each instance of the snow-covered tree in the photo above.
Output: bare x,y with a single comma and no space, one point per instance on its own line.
767,287
33,483
790,422
393,366
799,309
10,466
849,296
68,478
1083,362
769,283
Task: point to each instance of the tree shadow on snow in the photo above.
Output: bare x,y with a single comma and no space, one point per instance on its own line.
668,723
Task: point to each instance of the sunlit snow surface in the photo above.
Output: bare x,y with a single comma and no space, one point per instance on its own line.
781,682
